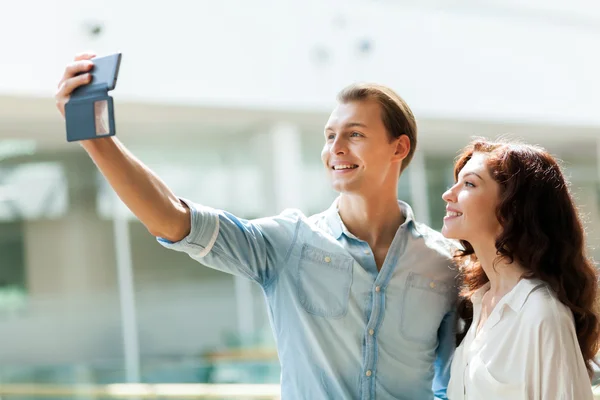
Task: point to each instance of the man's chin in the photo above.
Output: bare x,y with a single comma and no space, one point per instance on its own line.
345,187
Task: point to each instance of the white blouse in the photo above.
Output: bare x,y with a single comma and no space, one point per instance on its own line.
526,349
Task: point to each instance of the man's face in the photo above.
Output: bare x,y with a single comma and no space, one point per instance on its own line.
358,153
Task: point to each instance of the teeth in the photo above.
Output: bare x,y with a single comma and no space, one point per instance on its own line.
453,214
344,166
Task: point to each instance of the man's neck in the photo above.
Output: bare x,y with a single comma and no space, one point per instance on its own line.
374,219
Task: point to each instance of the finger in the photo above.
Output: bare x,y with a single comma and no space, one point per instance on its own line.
88,55
71,84
75,68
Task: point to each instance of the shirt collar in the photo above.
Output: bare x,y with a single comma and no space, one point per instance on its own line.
515,299
334,221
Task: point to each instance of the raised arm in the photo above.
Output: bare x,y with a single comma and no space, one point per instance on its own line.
144,193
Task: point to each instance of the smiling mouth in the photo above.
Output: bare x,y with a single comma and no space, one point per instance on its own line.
344,167
451,214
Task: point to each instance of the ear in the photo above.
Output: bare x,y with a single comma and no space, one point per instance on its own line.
402,148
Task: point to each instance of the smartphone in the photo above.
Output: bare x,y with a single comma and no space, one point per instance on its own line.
104,75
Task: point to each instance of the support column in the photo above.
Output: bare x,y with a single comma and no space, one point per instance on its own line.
598,164
418,188
129,324
280,162
287,168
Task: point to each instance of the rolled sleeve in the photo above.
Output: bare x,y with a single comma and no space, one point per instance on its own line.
254,249
203,233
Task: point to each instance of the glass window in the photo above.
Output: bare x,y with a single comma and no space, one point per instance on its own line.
12,267
32,191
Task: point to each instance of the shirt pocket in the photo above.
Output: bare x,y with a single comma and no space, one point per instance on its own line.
424,304
324,280
482,384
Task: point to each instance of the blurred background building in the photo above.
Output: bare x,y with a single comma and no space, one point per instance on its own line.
226,101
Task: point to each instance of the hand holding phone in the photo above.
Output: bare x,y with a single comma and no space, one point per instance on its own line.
89,113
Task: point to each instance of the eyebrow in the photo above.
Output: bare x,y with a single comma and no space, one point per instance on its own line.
472,173
349,125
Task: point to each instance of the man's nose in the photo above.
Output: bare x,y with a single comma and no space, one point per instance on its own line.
338,146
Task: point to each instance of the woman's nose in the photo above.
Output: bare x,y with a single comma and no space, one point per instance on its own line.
448,196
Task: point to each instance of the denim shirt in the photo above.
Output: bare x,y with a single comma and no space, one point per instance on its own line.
344,330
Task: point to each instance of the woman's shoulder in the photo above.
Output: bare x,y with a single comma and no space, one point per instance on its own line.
542,308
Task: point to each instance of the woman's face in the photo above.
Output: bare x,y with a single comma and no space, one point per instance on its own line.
471,204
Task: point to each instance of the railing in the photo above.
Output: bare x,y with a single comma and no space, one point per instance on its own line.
143,391
155,391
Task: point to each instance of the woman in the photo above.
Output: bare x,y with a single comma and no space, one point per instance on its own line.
529,293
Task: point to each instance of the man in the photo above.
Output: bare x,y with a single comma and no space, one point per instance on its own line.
361,296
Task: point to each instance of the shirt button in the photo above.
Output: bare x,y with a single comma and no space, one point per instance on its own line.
327,259
367,252
371,332
432,285
377,289
369,373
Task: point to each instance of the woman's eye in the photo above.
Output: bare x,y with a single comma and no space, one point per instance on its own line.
355,134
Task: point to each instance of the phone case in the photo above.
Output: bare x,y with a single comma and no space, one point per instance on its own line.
90,118
89,113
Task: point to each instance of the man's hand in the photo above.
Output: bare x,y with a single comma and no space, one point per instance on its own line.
70,80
